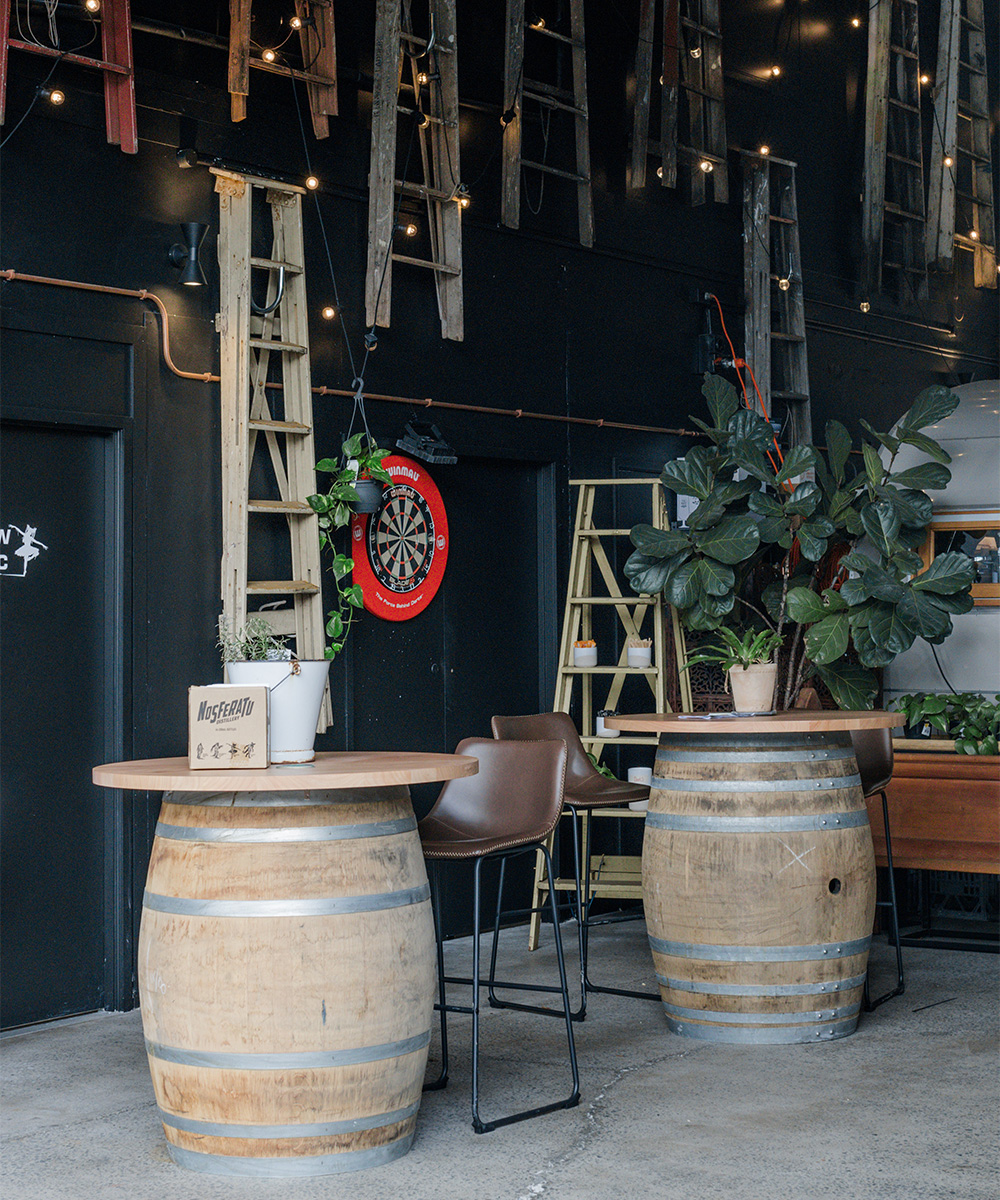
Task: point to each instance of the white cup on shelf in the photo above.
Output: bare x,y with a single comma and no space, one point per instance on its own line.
639,656
584,656
643,775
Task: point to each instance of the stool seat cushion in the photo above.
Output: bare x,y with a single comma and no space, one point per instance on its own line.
601,791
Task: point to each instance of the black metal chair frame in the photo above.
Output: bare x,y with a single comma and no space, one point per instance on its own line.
869,1004
491,983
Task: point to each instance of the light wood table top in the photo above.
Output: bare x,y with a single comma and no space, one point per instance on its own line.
329,770
797,720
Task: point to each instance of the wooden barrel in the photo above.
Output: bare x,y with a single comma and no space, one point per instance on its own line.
287,979
758,885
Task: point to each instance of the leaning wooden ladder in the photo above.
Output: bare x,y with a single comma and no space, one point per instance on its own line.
434,85
691,67
551,98
960,209
893,216
612,877
258,341
775,322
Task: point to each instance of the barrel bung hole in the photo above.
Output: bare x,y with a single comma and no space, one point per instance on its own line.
834,887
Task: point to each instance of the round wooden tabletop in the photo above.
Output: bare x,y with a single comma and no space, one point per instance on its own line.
796,720
329,770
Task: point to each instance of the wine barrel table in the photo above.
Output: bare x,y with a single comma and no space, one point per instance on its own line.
758,873
286,960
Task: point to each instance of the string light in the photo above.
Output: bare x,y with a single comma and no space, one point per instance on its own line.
856,22
371,341
696,52
706,166
764,151
974,234
408,229
329,313
92,6
53,95
784,283
925,79
423,78
538,23
268,56
775,71
949,161
312,183
464,200
659,172
296,23
865,306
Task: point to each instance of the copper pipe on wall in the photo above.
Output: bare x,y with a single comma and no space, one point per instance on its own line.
206,376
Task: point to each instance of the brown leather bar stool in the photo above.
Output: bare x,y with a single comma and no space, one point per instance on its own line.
586,789
510,807
873,750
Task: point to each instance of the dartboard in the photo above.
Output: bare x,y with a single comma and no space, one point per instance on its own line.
400,551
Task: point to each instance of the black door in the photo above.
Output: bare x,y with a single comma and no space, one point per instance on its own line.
57,572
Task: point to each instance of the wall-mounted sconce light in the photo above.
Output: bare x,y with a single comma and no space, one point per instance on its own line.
186,256
423,440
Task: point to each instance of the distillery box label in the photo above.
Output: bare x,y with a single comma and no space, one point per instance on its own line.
227,726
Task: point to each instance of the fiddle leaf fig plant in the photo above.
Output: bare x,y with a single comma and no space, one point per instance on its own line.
362,459
816,547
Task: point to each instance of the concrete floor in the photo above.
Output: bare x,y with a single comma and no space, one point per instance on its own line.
905,1108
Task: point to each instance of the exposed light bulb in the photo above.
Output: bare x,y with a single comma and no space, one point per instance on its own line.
410,230
659,172
706,166
268,56
423,120
776,71
974,234
856,22
54,95
371,341
538,23
925,79
784,283
464,201
764,150
696,52
949,161
329,313
865,306
295,22
423,78
661,81
92,6
312,183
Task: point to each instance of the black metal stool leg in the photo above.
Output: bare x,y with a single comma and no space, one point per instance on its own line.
891,903
442,1005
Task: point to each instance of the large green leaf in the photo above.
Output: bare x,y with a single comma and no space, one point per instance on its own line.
803,501
773,529
721,398
925,616
646,574
708,513
716,578
882,585
771,595
873,465
734,539
952,572
805,607
884,439
958,602
699,619
869,652
692,475
659,543
838,445
906,563
681,588
913,508
813,547
852,687
833,600
738,489
717,606
855,591
798,460
881,523
890,629
718,436
923,476
827,639
750,429
854,560
922,442
748,458
932,405
764,505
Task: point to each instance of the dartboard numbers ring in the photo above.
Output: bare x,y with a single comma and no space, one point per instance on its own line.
400,551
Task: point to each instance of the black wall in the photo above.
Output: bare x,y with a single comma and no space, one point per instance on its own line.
550,327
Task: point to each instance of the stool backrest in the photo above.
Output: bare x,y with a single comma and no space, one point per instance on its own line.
543,726
873,750
516,797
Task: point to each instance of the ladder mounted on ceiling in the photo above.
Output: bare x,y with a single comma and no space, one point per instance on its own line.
691,70
960,207
433,84
546,52
116,67
265,353
774,321
893,217
594,587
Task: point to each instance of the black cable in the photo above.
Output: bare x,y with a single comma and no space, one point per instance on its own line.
947,681
35,98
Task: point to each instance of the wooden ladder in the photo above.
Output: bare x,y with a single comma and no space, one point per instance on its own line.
775,321
552,99
434,86
960,208
612,877
265,349
893,217
116,67
692,69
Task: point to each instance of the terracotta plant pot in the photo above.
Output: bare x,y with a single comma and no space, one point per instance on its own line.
753,687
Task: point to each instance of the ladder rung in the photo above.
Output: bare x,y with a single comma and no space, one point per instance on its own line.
902,51
548,89
612,599
550,102
902,212
979,158
977,200
419,189
603,532
966,20
702,29
419,41
968,243
910,162
271,264
789,396
443,268
973,114
282,587
297,508
551,33
280,426
902,104
782,220
433,120
700,91
555,171
786,337
281,347
607,671
894,266
969,67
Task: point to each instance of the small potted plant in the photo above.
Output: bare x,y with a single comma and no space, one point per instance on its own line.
600,728
639,651
255,656
750,665
356,486
968,718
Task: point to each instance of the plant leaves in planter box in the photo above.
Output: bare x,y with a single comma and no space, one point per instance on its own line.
925,616
933,404
852,687
923,476
647,574
838,446
827,639
734,539
890,629
692,475
928,445
798,460
721,397
659,543
947,573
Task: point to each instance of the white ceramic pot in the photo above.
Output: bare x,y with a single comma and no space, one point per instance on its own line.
643,775
584,656
639,656
753,687
601,730
295,695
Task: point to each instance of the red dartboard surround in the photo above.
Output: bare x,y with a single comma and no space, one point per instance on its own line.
400,551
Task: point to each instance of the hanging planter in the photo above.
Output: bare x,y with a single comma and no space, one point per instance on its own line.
369,496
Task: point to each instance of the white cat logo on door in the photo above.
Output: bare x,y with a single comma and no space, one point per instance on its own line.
14,563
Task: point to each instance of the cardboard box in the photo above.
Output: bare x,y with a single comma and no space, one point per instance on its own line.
227,726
